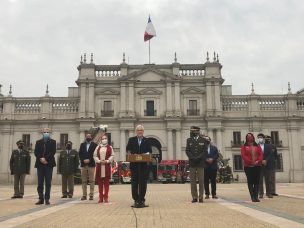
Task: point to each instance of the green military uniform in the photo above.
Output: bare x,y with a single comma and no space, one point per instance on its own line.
20,164
68,162
197,151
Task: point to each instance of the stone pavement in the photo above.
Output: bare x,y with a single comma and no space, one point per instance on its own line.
169,206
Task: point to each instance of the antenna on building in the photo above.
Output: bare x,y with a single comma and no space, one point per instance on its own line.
91,58
175,58
289,88
47,90
81,61
207,56
84,58
252,88
214,58
124,58
10,90
217,58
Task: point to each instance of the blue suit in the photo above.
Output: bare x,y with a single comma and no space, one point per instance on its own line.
268,156
211,170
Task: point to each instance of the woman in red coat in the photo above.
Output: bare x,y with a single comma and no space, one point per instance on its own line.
103,156
252,156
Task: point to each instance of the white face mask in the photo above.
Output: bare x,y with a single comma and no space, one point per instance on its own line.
104,141
261,140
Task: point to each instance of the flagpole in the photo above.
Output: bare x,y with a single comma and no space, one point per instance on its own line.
149,51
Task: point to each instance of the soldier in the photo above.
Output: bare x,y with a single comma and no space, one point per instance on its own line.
20,164
273,170
68,162
196,150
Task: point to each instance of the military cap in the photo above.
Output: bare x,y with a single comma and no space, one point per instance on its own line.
261,135
68,142
267,137
19,142
194,128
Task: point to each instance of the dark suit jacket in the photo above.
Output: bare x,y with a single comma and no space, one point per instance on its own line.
134,148
46,149
213,154
268,156
84,154
197,151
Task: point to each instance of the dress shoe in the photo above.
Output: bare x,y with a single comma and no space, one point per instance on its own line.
207,197
200,200
39,202
70,196
194,201
20,197
14,197
106,200
261,196
47,202
64,197
91,198
141,205
214,197
274,194
83,198
269,196
100,201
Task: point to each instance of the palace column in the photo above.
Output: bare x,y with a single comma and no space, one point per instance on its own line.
169,144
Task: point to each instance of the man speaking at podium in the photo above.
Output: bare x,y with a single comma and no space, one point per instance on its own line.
139,171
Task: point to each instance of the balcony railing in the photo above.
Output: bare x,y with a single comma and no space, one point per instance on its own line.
107,113
150,113
193,112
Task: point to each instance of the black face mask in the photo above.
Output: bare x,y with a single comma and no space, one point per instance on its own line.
194,134
89,139
20,147
68,147
207,142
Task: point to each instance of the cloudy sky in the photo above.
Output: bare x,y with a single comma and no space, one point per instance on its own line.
259,41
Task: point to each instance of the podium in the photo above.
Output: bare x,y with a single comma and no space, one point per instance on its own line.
137,158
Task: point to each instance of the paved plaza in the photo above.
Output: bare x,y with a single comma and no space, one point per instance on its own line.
169,206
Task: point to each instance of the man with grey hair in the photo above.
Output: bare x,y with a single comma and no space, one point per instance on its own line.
139,171
45,150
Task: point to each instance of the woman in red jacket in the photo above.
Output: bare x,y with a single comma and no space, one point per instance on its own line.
103,156
252,156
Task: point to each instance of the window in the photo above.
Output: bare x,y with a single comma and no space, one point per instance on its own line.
63,139
107,109
275,138
193,111
237,163
109,139
150,109
236,139
279,163
26,138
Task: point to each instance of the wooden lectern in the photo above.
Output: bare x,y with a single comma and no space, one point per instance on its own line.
139,158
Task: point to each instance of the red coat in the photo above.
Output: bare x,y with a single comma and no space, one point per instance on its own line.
249,157
107,168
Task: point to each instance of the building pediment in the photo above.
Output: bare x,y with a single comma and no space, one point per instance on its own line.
192,90
107,92
149,91
149,74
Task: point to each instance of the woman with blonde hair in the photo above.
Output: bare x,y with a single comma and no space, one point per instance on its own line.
103,156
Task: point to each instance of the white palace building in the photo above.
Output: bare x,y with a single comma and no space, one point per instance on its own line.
167,99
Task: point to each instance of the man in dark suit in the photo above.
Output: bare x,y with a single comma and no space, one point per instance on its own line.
196,150
139,171
211,169
268,140
86,152
45,150
267,166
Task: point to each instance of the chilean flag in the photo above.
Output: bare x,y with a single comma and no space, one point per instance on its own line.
150,31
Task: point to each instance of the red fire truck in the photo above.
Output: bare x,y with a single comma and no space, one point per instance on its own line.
172,171
124,172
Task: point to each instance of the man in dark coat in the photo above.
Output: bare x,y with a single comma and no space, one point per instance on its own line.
267,166
196,150
68,162
86,152
139,171
45,150
211,169
20,164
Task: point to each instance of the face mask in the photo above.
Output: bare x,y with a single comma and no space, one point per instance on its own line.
89,139
20,146
207,142
194,134
104,141
68,147
46,135
261,140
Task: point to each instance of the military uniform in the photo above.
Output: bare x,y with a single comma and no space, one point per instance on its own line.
197,151
68,162
20,163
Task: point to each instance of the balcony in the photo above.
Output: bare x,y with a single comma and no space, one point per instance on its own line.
108,113
193,112
150,112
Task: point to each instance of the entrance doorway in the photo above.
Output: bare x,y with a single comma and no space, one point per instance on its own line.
156,157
